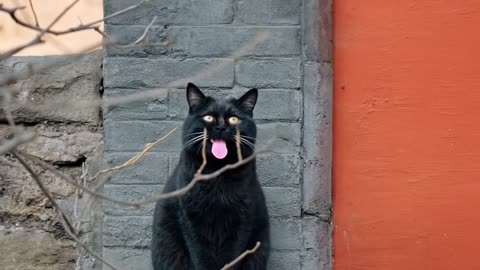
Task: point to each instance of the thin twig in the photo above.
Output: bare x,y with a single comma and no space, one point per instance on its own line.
134,160
242,256
18,139
204,153
87,249
237,143
81,27
34,13
45,191
38,38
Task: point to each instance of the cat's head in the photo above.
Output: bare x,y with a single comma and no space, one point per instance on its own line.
221,117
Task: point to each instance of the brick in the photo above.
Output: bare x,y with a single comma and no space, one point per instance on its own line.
127,231
266,108
135,135
285,234
278,104
131,193
286,137
269,73
151,169
225,40
129,258
134,231
152,108
284,260
143,73
317,138
268,12
282,201
279,170
172,12
314,260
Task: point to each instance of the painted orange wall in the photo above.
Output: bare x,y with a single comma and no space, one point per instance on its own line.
407,134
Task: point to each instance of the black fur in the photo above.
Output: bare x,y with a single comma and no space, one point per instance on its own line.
218,219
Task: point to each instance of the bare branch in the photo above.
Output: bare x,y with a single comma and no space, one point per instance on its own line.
34,13
18,139
17,49
79,242
118,13
242,256
237,143
44,190
133,160
204,153
81,27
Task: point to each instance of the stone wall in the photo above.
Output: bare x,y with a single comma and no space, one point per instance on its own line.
68,135
292,71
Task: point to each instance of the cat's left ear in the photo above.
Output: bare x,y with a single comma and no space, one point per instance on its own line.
195,97
247,102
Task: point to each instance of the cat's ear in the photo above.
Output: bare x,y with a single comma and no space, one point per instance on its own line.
247,102
195,97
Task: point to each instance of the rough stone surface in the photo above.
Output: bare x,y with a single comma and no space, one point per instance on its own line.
269,73
165,71
268,12
318,132
39,250
61,106
67,93
173,12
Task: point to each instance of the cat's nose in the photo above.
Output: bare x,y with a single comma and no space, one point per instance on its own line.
220,128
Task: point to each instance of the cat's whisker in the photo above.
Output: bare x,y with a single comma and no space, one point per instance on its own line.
193,133
192,141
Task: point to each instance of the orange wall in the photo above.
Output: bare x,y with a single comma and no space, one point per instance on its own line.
407,134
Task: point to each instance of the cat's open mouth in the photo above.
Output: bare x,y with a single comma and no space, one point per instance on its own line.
219,148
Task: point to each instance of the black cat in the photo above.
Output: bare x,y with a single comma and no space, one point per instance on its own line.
218,219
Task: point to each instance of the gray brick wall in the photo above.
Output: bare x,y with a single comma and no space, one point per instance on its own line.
291,69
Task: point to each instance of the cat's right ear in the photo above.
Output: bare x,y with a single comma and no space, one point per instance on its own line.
195,97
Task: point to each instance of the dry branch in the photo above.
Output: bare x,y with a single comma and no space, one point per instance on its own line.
242,256
134,160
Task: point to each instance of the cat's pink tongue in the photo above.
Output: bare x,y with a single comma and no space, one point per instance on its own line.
219,149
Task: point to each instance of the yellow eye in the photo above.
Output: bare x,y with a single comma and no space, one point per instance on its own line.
208,118
233,120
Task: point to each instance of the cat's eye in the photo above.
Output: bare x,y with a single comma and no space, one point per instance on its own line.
233,120
208,119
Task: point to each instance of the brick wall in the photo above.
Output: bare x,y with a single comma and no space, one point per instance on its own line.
292,71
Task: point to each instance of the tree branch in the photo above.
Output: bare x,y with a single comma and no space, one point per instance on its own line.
242,256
